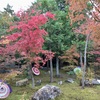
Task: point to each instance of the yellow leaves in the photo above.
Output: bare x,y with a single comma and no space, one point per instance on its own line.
10,75
2,36
5,40
5,19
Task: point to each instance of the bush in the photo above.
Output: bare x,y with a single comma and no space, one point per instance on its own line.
68,68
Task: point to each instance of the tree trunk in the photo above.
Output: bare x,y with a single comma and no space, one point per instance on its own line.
81,61
32,77
57,66
81,64
33,81
51,71
47,65
61,64
84,68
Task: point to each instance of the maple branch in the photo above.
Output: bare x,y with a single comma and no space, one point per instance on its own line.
95,16
95,6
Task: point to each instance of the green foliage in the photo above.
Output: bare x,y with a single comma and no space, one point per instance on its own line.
79,75
5,20
47,5
80,42
90,74
71,73
15,18
7,17
60,36
9,10
89,5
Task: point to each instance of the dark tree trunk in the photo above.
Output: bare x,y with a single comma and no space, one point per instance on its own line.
32,76
51,71
60,63
47,65
57,66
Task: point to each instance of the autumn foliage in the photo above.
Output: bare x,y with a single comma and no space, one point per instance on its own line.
89,11
78,8
28,39
71,55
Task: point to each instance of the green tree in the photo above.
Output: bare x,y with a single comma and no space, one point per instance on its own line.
9,10
60,36
5,21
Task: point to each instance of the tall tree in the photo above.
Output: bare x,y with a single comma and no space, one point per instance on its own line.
28,39
60,36
9,10
84,11
5,21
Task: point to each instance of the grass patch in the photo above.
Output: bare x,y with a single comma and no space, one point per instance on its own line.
70,91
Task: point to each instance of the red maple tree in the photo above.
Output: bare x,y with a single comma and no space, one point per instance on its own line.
28,39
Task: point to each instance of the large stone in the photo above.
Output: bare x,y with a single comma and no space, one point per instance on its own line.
22,82
46,93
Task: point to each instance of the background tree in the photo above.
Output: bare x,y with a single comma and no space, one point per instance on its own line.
5,21
84,12
7,17
71,56
9,10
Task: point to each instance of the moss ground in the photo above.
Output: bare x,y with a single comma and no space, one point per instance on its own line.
70,91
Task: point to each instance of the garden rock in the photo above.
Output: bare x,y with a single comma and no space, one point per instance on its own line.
22,82
96,82
46,93
87,83
38,82
70,80
60,83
